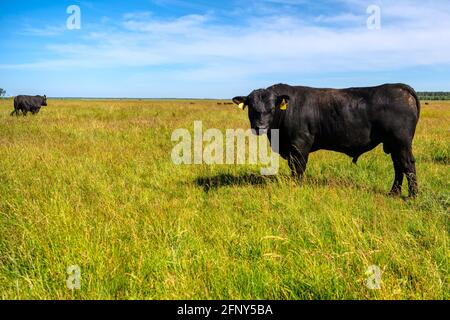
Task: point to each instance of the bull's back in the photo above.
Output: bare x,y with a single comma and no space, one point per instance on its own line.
355,120
352,108
27,102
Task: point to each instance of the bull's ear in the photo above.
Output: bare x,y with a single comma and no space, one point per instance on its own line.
283,102
240,101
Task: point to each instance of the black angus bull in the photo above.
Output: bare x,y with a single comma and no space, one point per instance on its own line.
27,104
352,121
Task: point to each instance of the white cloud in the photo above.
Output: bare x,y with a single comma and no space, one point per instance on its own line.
341,18
412,34
176,26
46,31
137,15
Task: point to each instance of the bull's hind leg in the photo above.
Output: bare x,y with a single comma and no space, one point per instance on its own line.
398,179
408,165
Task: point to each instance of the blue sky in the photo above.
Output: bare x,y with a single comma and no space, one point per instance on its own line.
219,49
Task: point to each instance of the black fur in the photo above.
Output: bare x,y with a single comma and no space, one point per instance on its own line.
352,121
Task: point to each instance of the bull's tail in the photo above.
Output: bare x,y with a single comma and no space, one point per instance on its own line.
17,108
15,111
414,94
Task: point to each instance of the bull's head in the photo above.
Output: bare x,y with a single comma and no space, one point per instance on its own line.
44,101
262,105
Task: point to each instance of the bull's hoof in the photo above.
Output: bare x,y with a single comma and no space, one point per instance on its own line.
413,195
395,193
413,191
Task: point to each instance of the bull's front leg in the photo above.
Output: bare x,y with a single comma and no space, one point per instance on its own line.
297,162
298,159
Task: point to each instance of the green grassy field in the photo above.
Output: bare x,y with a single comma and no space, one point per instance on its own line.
91,183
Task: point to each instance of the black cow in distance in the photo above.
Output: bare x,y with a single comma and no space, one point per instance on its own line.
27,104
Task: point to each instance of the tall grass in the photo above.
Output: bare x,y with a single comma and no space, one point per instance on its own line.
91,183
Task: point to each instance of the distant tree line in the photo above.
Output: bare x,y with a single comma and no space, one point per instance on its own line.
436,95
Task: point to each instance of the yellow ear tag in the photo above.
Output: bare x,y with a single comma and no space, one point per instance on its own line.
283,105
241,106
